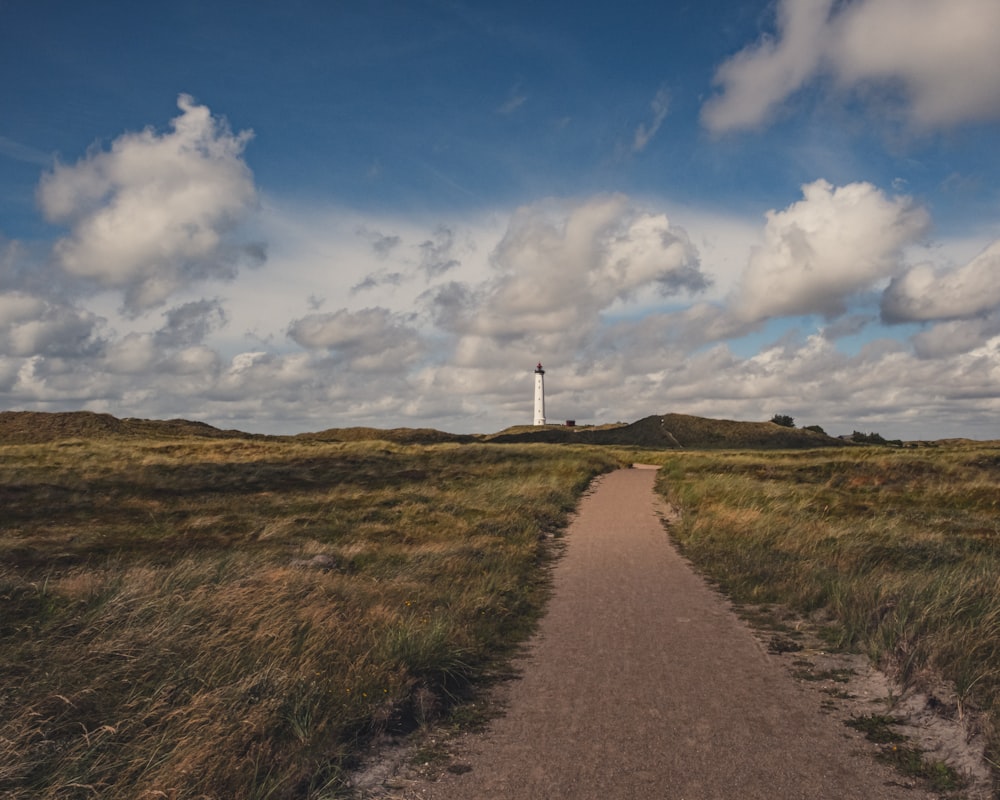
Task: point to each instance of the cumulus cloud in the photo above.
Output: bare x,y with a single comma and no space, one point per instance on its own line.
27,267
937,57
451,305
660,105
157,211
382,244
372,339
558,268
190,323
175,349
942,52
832,244
195,360
16,307
376,279
924,293
10,251
657,343
599,289
949,339
436,254
33,326
758,78
265,375
133,354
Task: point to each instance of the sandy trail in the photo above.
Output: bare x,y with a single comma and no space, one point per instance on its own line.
641,683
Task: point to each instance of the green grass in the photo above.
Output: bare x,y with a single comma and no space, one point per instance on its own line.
237,618
895,552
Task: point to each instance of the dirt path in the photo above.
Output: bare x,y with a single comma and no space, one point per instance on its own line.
641,683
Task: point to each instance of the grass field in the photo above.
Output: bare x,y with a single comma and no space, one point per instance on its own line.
217,618
895,552
235,618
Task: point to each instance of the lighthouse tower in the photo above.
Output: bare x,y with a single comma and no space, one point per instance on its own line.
539,395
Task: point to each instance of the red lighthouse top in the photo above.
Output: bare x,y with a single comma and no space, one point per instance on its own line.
539,368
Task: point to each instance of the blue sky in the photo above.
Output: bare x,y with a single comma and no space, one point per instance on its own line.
299,215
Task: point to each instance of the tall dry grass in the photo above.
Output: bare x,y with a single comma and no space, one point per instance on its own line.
896,551
222,619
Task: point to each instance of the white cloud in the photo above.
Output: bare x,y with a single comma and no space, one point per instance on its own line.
195,360
372,339
597,288
437,254
26,266
190,323
884,388
558,266
832,244
925,293
32,326
949,339
944,53
18,307
758,78
260,377
156,212
939,58
133,354
382,244
351,260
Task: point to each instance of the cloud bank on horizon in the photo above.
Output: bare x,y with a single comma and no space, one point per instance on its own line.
774,231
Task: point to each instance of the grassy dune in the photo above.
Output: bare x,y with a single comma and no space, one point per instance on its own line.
196,615
234,617
897,552
675,432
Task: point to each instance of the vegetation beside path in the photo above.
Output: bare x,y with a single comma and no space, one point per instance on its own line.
894,552
219,618
186,612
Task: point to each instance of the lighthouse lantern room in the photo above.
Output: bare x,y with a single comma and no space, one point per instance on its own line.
539,395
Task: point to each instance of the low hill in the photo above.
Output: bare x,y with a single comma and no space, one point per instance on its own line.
678,431
698,432
34,427
666,432
398,435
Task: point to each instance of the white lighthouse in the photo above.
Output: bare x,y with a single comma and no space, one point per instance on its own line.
539,395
